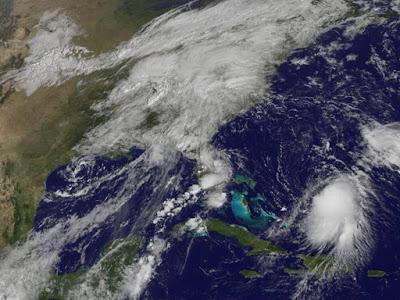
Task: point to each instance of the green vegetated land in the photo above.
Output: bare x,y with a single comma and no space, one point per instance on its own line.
250,274
376,273
318,263
50,128
116,256
118,19
49,145
244,237
46,144
257,246
53,120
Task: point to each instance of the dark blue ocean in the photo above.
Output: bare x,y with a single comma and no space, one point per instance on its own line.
281,144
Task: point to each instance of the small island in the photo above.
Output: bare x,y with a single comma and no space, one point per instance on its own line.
250,274
376,273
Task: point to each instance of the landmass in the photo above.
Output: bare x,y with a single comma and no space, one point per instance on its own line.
250,274
376,273
115,257
244,237
38,132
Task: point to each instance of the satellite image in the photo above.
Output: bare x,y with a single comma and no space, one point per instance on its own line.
203,149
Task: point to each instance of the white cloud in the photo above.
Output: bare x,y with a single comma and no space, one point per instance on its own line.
383,143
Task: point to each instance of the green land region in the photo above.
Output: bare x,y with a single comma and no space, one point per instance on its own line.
244,238
48,145
255,246
115,257
238,179
318,263
250,274
54,119
376,273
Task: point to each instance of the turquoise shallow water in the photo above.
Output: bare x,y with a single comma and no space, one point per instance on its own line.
276,146
246,208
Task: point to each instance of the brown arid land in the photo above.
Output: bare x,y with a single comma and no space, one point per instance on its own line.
37,133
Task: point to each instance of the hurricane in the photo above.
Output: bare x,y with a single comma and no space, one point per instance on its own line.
240,149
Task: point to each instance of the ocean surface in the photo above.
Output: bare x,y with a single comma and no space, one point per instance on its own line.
296,138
